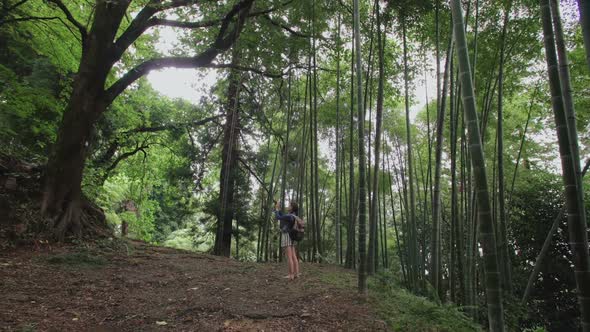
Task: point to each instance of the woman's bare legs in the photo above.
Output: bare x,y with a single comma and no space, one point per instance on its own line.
289,254
295,262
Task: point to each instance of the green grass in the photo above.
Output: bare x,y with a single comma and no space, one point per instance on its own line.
402,310
30,327
81,259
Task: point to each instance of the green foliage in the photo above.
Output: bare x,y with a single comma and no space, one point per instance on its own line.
30,102
405,311
537,201
180,239
121,193
535,329
402,310
580,77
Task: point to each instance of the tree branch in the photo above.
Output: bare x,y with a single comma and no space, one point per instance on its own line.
306,67
286,28
144,20
71,18
16,5
125,156
202,158
345,6
171,126
29,18
156,21
222,43
180,24
139,25
245,68
247,167
272,9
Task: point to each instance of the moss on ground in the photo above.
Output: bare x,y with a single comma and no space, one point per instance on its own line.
78,259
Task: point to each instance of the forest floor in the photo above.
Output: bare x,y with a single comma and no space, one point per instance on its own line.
142,287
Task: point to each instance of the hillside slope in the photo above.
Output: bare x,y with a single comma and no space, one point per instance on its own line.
133,286
156,288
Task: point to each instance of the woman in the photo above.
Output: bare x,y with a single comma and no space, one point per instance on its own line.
286,224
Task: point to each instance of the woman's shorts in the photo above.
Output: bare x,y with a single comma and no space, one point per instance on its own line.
286,240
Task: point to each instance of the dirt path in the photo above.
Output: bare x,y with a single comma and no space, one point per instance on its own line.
156,288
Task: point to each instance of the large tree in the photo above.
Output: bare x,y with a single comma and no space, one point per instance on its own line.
104,43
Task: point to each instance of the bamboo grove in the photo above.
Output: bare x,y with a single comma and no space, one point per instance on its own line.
440,144
388,192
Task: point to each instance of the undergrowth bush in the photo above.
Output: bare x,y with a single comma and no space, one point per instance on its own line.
404,311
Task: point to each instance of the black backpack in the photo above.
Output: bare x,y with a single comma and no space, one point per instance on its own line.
298,230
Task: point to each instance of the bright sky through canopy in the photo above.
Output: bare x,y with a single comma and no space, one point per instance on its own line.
192,84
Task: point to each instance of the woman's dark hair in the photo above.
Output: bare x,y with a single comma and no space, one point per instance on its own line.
294,208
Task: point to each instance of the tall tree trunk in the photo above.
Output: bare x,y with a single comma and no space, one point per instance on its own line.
237,236
403,207
350,247
229,164
452,111
435,269
455,233
486,227
338,149
372,265
267,219
566,132
286,146
540,257
63,181
263,204
362,281
458,225
475,33
584,9
566,90
310,143
316,143
385,254
436,206
368,103
343,194
521,147
304,199
463,218
405,214
412,221
395,227
503,241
